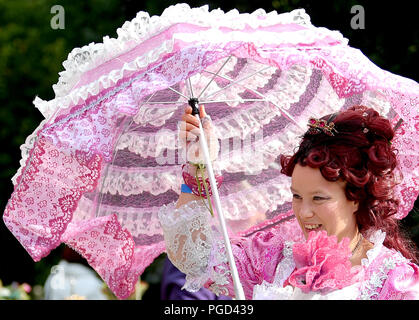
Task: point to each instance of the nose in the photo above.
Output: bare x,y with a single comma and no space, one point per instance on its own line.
304,210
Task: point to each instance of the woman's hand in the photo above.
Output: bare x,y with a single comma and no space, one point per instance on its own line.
189,136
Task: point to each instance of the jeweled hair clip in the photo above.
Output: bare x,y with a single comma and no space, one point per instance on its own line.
318,125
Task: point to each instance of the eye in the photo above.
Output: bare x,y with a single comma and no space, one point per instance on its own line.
319,198
296,196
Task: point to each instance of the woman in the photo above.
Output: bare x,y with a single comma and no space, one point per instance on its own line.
343,177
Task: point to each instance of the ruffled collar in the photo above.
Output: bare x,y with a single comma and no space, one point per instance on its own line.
377,238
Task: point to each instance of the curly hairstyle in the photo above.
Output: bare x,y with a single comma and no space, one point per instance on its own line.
361,154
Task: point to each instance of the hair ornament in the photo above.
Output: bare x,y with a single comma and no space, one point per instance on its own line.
319,125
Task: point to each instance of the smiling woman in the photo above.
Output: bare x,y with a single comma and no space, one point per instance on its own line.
343,178
362,162
322,205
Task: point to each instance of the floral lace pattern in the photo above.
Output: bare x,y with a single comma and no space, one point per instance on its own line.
407,139
46,195
26,150
99,243
130,181
189,241
373,285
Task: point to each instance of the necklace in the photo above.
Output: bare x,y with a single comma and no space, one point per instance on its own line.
358,244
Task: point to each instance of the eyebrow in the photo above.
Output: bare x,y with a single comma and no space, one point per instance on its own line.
316,191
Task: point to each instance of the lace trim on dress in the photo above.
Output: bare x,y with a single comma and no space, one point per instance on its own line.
219,269
191,243
377,238
371,287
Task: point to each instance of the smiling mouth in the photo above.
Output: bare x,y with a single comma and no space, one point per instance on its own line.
312,227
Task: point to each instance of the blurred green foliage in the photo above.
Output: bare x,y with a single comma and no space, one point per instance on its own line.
31,56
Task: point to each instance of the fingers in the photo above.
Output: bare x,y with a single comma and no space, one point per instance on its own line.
202,113
188,110
187,136
191,124
188,127
188,118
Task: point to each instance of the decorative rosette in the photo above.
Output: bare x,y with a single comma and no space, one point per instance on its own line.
322,264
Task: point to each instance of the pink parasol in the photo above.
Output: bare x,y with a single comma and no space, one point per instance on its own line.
96,171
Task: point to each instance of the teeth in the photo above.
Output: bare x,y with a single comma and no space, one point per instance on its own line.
312,226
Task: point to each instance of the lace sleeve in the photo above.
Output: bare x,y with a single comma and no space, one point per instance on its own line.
196,247
189,240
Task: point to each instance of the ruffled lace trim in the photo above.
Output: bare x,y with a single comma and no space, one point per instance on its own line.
129,181
239,205
265,149
143,27
26,150
69,88
261,198
372,285
67,95
138,221
247,122
243,123
190,242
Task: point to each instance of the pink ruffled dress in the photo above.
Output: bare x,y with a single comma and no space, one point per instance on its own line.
280,264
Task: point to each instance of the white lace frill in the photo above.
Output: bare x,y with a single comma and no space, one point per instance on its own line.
143,27
68,89
193,243
26,149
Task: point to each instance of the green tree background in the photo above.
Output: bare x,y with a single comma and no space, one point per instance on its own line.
31,56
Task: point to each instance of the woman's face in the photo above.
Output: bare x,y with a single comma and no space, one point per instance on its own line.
320,204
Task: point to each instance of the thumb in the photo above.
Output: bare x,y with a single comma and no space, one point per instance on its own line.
202,112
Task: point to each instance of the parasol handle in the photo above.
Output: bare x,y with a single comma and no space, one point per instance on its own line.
193,102
238,289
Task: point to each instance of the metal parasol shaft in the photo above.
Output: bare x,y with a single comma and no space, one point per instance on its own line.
238,289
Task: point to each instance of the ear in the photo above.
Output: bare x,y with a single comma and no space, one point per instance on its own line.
355,205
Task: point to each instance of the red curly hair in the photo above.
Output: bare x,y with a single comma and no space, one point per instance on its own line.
361,154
